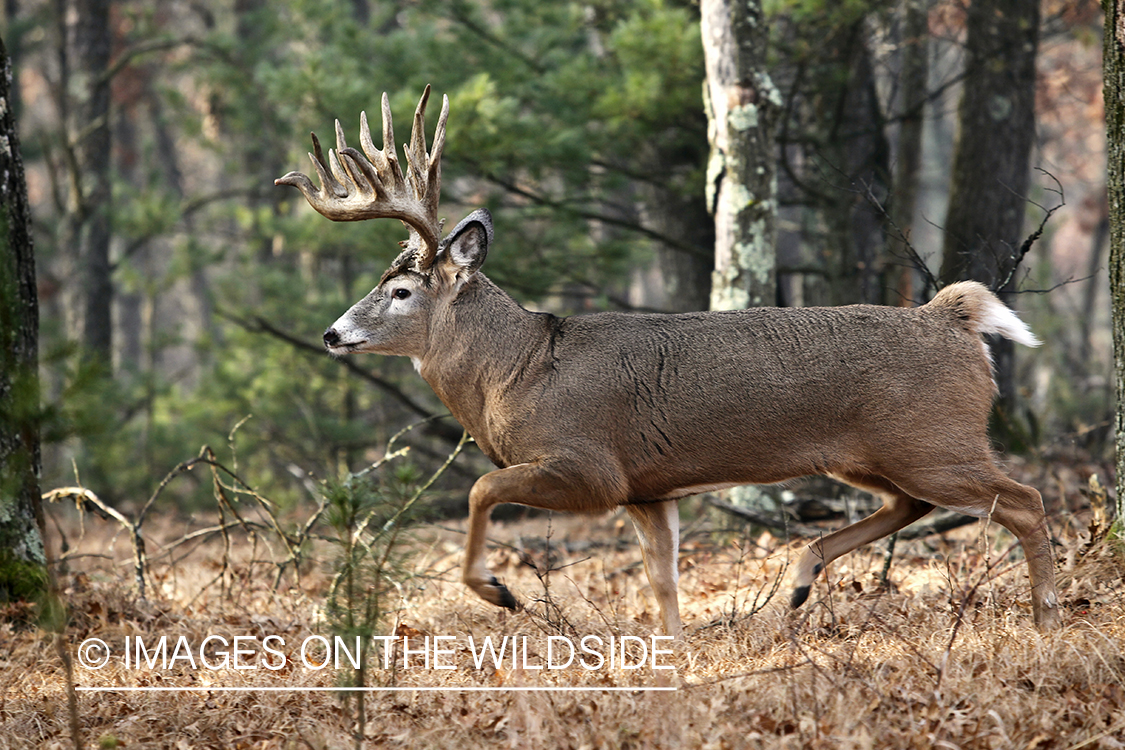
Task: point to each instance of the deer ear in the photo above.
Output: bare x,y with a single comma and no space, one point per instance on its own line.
467,245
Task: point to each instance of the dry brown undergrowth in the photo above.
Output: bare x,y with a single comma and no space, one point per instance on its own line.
947,659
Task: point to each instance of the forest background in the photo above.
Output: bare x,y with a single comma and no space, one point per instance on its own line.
182,295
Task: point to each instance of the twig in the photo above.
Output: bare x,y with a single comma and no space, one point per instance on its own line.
763,519
966,598
912,254
56,620
585,213
391,524
885,573
87,499
465,440
1031,238
938,525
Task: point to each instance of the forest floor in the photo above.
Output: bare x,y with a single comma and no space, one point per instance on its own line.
945,657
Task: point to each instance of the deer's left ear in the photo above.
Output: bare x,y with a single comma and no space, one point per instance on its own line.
464,250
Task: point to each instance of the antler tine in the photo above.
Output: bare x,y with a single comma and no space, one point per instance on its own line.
389,153
322,170
348,166
433,168
374,154
355,186
416,150
423,171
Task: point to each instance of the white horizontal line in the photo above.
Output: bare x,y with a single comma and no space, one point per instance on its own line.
225,689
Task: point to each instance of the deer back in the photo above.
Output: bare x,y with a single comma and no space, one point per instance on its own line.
672,402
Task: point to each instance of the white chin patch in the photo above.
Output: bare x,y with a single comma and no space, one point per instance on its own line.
341,349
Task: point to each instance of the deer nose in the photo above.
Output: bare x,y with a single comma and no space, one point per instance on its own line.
331,338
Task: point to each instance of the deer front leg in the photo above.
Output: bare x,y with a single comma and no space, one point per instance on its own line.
476,574
538,485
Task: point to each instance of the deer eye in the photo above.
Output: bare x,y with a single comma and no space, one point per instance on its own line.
400,293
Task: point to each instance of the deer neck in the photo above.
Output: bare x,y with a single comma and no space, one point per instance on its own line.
480,347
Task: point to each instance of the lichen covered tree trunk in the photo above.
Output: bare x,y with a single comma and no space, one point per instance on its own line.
23,573
742,109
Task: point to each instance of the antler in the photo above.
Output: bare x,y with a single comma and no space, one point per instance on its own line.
355,187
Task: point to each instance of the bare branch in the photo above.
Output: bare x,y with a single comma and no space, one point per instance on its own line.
446,432
1024,248
912,255
777,522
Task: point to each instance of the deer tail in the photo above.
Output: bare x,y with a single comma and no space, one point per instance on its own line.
980,311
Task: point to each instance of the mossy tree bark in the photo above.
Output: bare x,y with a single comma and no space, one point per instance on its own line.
1114,83
742,109
23,572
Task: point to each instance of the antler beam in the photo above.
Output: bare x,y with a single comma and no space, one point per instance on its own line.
356,186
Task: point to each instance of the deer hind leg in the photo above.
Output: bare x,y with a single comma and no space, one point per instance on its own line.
899,510
537,485
984,491
658,526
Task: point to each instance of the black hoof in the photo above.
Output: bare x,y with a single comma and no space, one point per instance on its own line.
505,597
800,594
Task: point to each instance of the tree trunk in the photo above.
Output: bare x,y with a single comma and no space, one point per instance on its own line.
1114,82
742,108
91,133
23,572
854,166
902,279
988,200
838,164
682,279
262,159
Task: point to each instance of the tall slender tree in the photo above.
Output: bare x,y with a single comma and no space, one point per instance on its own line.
908,164
82,96
852,162
22,560
1113,61
91,137
988,195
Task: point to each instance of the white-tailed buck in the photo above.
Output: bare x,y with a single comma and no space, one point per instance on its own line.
592,412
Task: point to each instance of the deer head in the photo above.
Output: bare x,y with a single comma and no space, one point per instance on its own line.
394,317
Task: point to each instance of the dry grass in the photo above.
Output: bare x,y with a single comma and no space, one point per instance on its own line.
947,659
